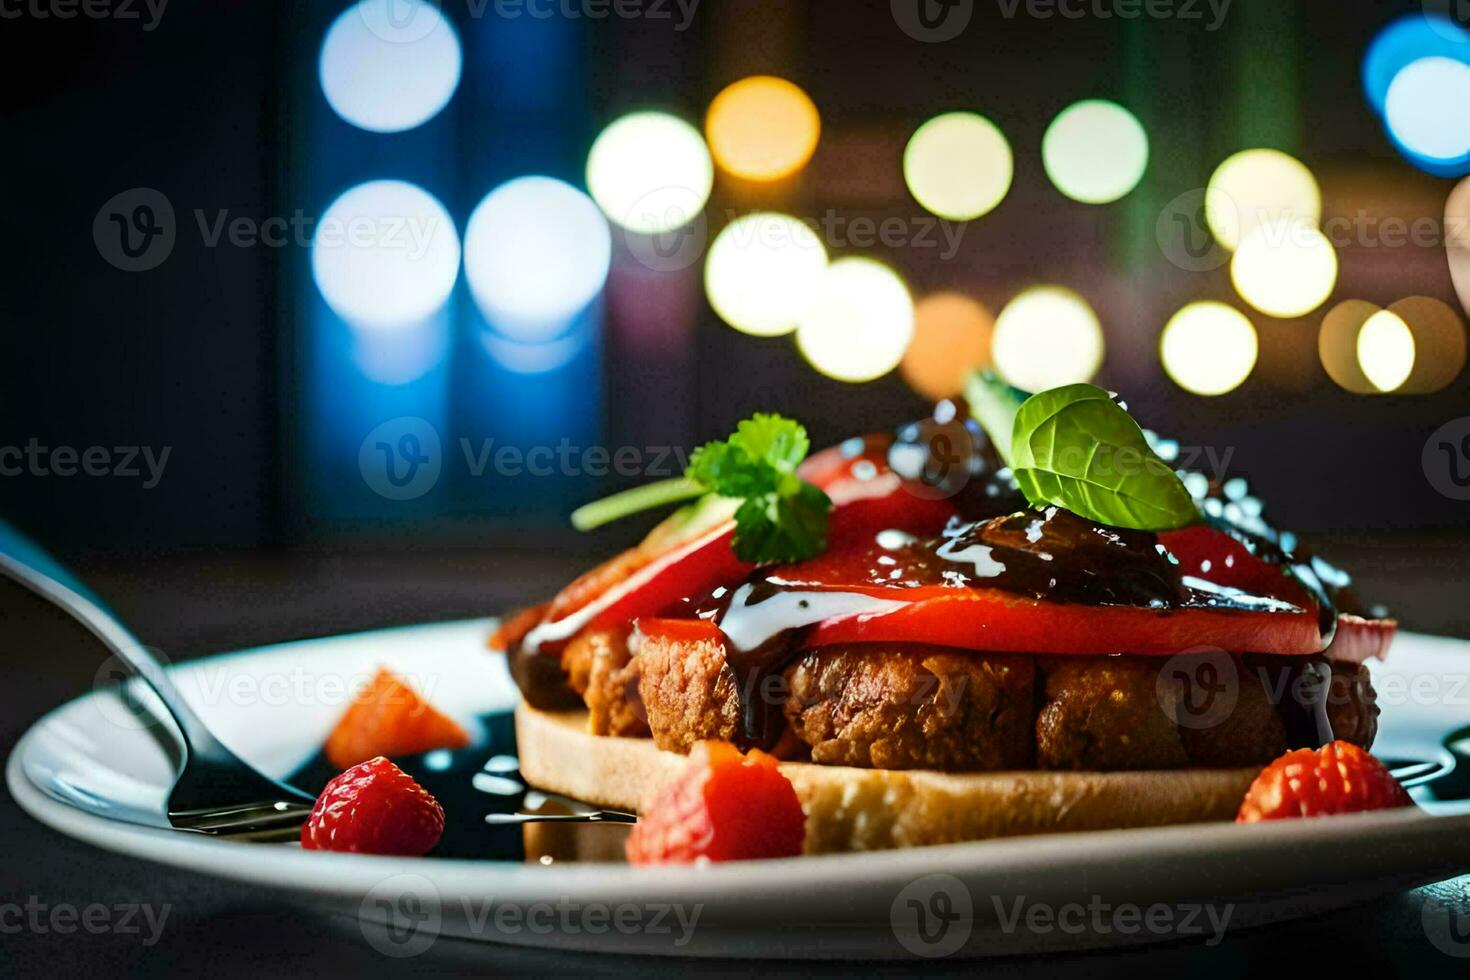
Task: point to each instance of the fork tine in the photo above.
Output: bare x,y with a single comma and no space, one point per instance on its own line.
267,817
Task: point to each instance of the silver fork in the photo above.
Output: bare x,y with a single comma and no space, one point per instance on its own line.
216,792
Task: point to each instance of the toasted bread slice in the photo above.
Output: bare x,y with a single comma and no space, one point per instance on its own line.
852,809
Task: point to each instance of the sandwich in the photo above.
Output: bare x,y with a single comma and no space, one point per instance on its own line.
1013,617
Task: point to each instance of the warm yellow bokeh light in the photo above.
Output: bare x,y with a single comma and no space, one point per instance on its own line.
1046,337
1260,187
761,271
1209,348
762,128
1439,344
951,341
1285,269
1386,350
650,172
1337,344
858,322
958,166
1095,151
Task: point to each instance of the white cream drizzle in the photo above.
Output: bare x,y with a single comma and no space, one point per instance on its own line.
747,625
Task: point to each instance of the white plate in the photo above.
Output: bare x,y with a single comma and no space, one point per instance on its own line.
89,771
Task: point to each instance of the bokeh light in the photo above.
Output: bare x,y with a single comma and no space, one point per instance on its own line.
1411,37
1260,187
760,271
1286,269
1095,151
1209,348
1046,337
536,253
958,166
1439,344
1457,240
387,71
650,172
762,128
858,322
951,340
1427,116
1385,350
385,255
1337,344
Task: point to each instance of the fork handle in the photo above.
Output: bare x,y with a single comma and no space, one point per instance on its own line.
28,564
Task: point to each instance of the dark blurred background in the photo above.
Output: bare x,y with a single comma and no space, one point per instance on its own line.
271,400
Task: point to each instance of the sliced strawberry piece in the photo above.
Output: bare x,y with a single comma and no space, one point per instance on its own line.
724,807
374,808
390,718
1338,778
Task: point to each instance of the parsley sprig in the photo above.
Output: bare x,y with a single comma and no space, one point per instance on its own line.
781,517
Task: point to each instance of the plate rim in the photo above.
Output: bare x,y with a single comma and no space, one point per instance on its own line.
353,875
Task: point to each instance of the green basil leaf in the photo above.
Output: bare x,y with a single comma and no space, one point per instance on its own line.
1074,447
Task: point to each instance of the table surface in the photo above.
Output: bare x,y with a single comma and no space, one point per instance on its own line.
189,606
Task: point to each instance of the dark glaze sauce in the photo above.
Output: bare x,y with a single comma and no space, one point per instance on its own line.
489,811
1052,555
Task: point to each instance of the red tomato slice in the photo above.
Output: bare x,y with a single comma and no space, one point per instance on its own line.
638,584
989,619
1215,556
1002,622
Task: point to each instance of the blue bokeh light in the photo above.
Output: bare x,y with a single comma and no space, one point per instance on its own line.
1407,40
536,254
390,65
1426,117
385,255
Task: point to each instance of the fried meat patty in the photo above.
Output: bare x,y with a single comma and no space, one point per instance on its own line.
922,707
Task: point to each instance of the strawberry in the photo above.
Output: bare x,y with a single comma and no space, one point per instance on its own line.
1338,778
389,718
374,808
725,806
